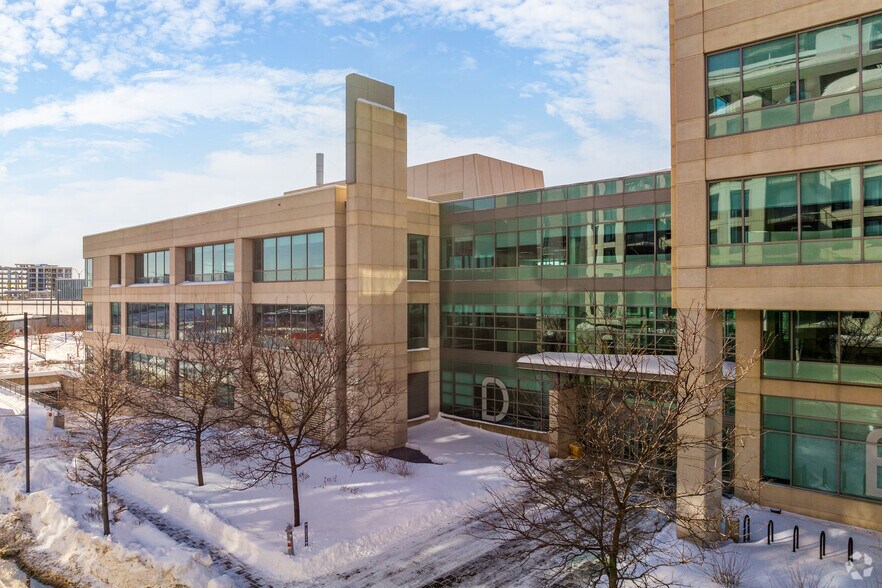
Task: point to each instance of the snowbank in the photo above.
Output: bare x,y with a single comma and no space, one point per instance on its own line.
131,557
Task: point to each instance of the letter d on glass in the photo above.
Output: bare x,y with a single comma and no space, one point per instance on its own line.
873,464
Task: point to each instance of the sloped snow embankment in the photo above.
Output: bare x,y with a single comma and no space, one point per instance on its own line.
136,555
269,562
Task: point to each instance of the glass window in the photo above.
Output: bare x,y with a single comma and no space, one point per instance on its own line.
610,243
290,258
213,320
581,245
418,257
776,456
89,316
815,463
769,73
417,326
554,247
872,63
580,191
152,267
284,324
838,73
815,335
484,251
639,184
147,320
608,187
209,263
770,209
724,83
776,334
663,239
640,240
873,200
114,317
830,202
825,346
528,248
87,274
828,61
860,338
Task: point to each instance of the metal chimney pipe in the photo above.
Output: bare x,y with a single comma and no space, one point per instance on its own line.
319,169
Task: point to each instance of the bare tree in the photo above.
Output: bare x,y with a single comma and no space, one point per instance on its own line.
195,404
300,399
77,337
631,420
106,440
41,337
7,333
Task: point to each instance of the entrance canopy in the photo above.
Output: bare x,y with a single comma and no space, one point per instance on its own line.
662,367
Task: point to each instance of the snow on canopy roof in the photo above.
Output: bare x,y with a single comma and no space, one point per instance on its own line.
663,366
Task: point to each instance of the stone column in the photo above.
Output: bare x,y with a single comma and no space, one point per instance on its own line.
376,234
243,277
562,430
699,465
748,413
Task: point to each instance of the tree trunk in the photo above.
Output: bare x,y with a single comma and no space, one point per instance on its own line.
295,491
200,481
105,509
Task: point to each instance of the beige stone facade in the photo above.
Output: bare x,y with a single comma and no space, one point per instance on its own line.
699,29
470,176
365,225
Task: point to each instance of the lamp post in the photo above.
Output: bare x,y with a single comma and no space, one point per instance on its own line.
27,411
27,395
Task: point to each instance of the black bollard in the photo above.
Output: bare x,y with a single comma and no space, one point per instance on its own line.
795,538
850,549
306,534
770,533
822,545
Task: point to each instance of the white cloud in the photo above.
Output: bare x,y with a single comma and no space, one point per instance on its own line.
610,56
158,101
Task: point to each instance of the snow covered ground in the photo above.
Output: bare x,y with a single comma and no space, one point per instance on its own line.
60,348
366,527
352,514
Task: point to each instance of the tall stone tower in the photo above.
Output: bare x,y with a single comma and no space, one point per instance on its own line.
376,233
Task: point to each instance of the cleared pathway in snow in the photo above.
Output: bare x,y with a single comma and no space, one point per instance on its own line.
221,562
453,555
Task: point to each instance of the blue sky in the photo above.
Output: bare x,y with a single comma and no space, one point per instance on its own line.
118,113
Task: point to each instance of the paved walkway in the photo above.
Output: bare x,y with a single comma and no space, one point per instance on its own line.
454,555
222,563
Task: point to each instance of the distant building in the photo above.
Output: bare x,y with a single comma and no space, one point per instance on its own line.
24,280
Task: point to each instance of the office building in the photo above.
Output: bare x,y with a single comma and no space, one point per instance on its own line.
769,224
777,209
25,280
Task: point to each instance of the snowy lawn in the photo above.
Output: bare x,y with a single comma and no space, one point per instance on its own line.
767,565
352,514
60,348
356,517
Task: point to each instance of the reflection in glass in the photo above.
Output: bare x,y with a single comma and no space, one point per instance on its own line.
872,63
873,200
770,209
830,203
724,83
828,61
725,213
814,336
769,73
